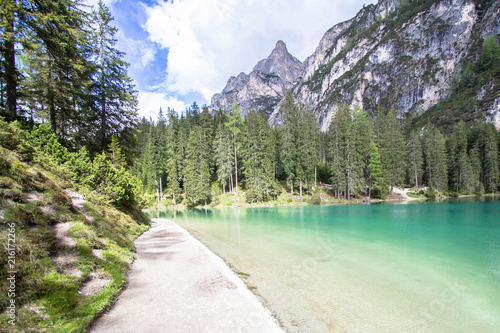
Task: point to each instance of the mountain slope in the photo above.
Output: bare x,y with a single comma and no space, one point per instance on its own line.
264,87
405,55
394,56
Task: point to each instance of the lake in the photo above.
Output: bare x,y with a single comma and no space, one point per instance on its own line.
416,267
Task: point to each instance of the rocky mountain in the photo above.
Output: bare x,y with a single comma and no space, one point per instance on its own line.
264,87
418,57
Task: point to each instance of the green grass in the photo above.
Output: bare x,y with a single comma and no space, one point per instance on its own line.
48,300
416,195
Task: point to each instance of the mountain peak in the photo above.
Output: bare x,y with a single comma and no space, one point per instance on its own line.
280,45
270,78
278,61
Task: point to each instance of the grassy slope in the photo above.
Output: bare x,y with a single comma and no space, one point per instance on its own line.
47,299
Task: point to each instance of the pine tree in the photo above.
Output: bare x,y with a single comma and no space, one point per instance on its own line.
173,156
393,150
181,148
161,152
488,145
223,157
415,159
197,174
8,9
475,163
257,153
289,112
277,163
353,160
148,169
115,154
375,176
336,157
115,97
233,125
58,29
490,54
307,146
435,158
206,123
459,164
363,138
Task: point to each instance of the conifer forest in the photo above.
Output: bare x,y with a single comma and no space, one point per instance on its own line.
61,70
202,156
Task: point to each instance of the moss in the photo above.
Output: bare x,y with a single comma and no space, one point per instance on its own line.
61,198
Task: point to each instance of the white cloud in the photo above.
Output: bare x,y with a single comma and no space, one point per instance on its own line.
140,53
209,41
150,103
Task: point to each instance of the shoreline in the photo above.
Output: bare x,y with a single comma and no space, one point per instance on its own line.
296,203
393,198
241,275
177,284
242,267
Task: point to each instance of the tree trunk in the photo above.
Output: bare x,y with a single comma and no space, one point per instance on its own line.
324,154
103,95
157,192
315,177
10,65
416,176
103,122
1,95
235,165
52,106
370,187
161,190
301,189
231,182
348,177
348,191
62,127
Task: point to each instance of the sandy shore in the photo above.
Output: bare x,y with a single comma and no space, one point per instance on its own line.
177,285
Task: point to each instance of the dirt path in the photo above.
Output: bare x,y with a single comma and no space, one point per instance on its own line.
404,193
177,285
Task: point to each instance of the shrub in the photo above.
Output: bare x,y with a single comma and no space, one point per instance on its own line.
315,200
119,186
431,193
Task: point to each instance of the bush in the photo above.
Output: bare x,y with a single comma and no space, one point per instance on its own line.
315,200
431,193
216,189
380,192
119,186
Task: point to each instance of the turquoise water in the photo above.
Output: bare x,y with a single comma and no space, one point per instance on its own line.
418,267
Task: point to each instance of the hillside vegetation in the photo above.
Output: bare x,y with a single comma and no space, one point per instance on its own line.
72,251
198,159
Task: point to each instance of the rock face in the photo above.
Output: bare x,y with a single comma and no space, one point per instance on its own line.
264,87
390,55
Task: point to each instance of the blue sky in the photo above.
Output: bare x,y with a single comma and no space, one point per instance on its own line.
181,51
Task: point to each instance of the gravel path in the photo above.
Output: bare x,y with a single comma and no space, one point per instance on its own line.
404,193
177,285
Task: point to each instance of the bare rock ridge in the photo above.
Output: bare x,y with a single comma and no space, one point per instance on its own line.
390,55
264,87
